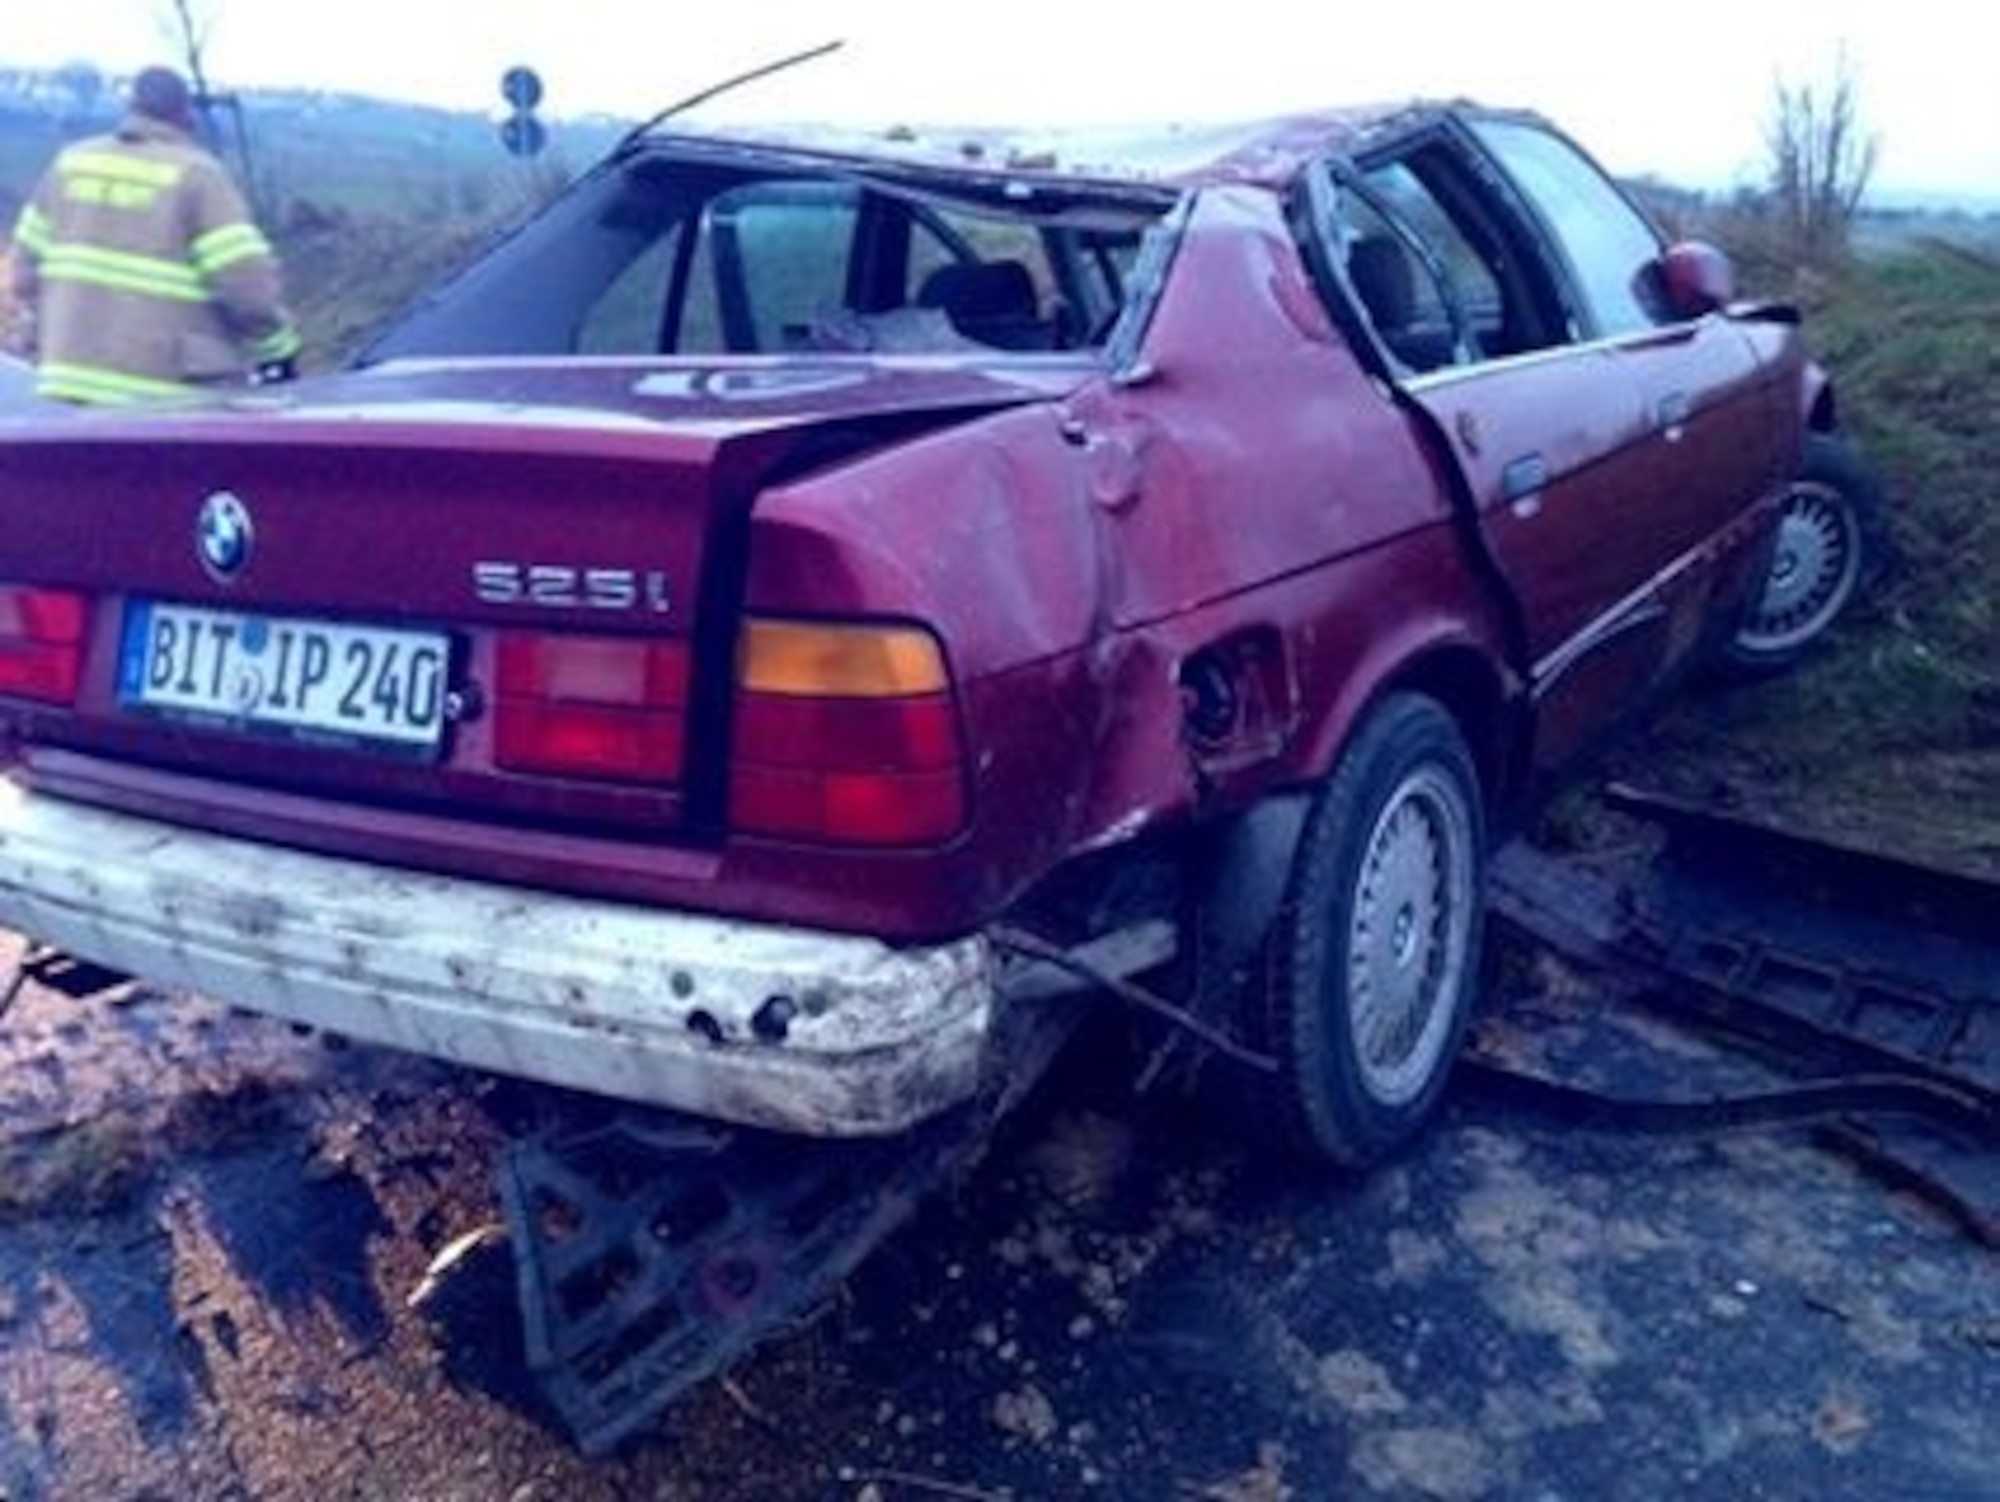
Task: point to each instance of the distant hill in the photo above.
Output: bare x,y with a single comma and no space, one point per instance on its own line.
368,200
337,153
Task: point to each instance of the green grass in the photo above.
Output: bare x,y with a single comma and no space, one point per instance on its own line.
1915,343
1890,736
345,275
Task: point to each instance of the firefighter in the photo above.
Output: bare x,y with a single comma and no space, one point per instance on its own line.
137,271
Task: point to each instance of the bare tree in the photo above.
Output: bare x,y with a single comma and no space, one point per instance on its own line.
186,26
1821,159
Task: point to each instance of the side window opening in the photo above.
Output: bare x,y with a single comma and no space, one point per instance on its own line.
1509,309
1440,273
1100,270
835,267
755,262
1608,245
990,278
1401,289
782,252
969,275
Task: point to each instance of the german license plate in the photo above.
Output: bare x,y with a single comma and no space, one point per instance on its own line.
310,679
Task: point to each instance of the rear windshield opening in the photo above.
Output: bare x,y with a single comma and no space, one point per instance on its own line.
663,255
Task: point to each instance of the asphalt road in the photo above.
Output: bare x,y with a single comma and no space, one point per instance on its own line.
211,1230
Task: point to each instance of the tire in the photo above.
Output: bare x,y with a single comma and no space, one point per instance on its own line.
1829,544
1373,959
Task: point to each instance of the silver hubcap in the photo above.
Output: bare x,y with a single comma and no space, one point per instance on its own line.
1813,570
1411,927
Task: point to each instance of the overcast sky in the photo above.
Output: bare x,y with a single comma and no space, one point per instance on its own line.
1681,88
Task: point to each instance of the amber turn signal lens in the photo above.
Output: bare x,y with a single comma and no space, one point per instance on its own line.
839,661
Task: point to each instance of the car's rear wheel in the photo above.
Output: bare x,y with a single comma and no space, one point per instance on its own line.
1828,542
1372,962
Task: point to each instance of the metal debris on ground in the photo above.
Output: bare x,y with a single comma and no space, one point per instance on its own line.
1877,978
653,1250
80,980
1888,960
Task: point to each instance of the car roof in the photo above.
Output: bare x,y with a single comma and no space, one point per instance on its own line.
1271,151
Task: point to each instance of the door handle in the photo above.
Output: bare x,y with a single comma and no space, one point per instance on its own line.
1673,412
1522,482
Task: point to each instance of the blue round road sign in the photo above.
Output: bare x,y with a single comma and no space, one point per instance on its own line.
523,135
521,87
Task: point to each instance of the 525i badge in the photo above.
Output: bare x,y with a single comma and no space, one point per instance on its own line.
560,587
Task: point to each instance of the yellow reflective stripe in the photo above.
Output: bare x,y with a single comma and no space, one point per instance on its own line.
149,276
92,383
123,169
111,195
222,248
282,345
33,230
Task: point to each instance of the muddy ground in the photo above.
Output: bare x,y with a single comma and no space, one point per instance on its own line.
214,1236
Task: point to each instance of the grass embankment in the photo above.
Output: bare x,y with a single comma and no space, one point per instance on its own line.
1890,736
346,274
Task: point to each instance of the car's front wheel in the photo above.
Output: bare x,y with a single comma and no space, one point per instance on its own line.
1827,544
1373,960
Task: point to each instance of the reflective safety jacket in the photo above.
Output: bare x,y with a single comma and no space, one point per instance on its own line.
137,272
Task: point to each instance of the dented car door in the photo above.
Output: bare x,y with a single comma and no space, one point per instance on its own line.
1600,447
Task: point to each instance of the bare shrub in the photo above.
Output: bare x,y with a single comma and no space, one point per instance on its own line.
1821,159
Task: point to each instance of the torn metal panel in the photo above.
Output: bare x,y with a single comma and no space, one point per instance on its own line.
1883,957
651,1250
58,970
1918,896
650,1258
1834,960
1831,981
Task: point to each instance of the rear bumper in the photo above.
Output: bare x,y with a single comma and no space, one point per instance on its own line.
664,1008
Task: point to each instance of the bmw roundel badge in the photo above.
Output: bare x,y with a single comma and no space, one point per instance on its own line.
222,535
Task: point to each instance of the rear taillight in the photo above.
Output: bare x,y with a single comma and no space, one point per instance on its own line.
607,707
41,643
845,734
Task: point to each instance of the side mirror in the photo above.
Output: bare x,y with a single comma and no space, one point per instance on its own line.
1695,278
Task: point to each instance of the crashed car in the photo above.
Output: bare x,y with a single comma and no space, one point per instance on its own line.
735,645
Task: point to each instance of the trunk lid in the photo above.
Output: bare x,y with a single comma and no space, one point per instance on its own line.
315,593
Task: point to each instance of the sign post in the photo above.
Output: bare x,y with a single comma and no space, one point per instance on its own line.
522,133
